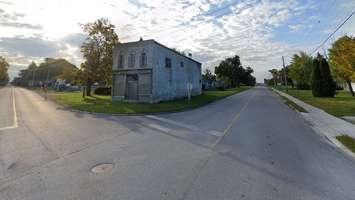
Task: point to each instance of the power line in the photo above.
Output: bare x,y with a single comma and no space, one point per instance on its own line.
335,15
315,50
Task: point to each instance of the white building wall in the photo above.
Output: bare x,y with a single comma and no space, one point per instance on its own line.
166,83
163,89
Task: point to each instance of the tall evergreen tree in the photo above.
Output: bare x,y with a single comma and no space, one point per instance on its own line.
328,84
323,84
316,79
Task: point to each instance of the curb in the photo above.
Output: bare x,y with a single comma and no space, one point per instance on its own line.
330,139
137,114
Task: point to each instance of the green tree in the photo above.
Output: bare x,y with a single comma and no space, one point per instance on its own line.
300,70
233,73
342,60
70,75
98,50
208,76
4,66
275,76
248,78
316,79
323,84
47,72
328,83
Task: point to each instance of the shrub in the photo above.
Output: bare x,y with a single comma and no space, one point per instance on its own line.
303,86
106,91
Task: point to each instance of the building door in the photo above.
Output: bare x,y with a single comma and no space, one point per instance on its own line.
131,87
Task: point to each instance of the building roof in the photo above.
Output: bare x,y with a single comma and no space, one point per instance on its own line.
151,40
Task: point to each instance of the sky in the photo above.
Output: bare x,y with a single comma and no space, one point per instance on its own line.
259,31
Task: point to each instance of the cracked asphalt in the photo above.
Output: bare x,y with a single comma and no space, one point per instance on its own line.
247,146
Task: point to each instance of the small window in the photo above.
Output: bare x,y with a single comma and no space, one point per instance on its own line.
131,60
143,60
120,61
167,62
181,64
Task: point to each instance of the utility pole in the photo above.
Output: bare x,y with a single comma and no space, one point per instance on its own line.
285,74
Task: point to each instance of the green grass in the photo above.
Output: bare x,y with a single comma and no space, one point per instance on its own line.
292,105
347,141
103,104
343,104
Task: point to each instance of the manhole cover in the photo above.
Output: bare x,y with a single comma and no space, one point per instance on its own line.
102,168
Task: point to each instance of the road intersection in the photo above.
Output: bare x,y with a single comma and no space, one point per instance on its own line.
247,146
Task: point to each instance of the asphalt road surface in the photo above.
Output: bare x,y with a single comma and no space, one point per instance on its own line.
247,146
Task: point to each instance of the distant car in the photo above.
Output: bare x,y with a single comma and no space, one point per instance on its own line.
72,88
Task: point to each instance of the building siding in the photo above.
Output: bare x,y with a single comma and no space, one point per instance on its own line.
171,83
156,82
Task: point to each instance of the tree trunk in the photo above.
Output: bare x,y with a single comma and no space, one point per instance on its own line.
350,88
88,87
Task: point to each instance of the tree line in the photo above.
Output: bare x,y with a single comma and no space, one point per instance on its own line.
321,74
230,73
97,51
46,72
4,76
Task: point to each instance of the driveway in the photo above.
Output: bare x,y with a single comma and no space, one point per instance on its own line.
247,146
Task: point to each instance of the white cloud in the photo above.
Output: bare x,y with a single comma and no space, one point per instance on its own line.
210,29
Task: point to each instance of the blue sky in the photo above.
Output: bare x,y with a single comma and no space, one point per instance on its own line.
259,31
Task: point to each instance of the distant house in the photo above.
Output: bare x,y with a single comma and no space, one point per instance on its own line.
147,71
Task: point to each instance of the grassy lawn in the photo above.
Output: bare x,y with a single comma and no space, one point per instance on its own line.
347,141
343,104
103,104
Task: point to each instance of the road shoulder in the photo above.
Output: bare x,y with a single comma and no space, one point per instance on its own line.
323,123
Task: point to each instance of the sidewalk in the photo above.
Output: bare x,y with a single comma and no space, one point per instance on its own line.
324,123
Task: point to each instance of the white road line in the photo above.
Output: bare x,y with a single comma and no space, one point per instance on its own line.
15,125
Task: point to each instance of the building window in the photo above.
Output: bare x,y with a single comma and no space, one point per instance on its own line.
181,64
131,60
120,61
168,62
143,59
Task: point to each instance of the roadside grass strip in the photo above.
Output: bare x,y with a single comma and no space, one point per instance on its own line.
347,141
104,104
293,105
343,104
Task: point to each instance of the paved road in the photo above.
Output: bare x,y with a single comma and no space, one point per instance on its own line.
248,146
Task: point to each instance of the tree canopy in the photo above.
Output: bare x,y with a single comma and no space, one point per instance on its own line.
233,73
4,66
208,76
301,70
342,60
47,72
97,51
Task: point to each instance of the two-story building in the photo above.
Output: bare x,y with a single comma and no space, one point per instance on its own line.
147,71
